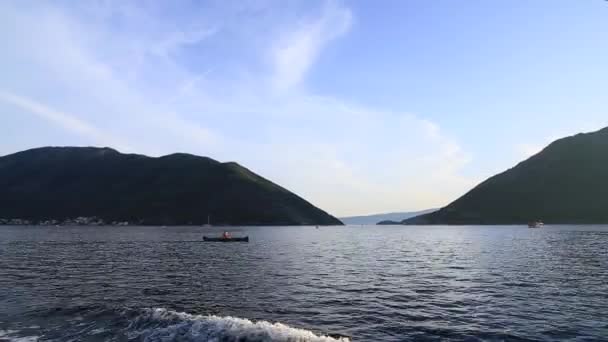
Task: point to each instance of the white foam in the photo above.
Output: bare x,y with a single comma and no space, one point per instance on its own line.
186,327
24,339
9,335
98,331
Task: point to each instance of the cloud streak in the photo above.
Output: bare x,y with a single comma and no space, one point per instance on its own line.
153,93
64,120
296,51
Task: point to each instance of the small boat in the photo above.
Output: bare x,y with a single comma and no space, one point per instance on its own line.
535,224
226,239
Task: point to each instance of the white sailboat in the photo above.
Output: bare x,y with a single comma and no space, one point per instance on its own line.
208,224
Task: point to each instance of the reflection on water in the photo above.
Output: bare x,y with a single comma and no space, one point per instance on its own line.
377,283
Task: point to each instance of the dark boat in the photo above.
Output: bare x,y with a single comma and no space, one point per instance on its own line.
223,239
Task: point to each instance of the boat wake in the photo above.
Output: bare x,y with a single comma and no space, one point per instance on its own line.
156,324
165,325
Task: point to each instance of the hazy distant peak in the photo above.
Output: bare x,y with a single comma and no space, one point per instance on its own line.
376,218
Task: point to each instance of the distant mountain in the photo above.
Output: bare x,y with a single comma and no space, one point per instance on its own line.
567,182
388,223
66,182
375,219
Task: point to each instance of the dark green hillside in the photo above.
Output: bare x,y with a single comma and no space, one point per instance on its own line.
567,182
67,182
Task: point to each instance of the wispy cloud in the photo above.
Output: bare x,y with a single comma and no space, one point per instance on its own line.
102,84
296,51
177,39
64,120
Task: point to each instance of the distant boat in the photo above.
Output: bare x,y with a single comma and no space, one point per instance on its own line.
535,224
224,239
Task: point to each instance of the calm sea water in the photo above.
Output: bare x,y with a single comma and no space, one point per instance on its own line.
304,284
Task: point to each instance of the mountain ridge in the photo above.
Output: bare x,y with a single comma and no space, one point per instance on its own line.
564,183
60,182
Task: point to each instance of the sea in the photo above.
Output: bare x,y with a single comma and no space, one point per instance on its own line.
351,283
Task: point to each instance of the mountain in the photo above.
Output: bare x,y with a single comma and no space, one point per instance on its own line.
388,223
57,183
377,218
565,183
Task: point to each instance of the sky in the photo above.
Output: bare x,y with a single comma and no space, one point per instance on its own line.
358,106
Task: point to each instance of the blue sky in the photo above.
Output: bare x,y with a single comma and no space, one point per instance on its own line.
358,106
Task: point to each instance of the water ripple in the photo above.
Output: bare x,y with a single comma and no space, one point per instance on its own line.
366,283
